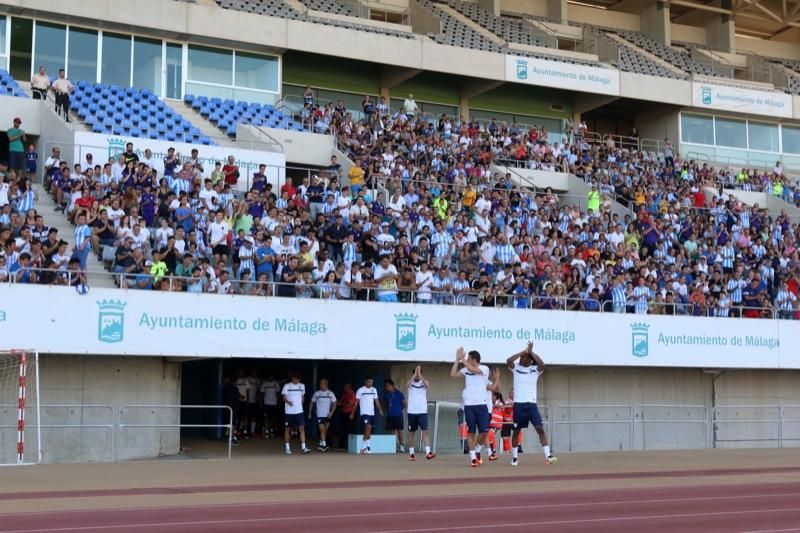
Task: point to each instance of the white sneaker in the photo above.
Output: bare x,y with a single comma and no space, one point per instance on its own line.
288,451
402,449
369,451
514,461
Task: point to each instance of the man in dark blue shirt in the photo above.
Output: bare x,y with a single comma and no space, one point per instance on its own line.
395,402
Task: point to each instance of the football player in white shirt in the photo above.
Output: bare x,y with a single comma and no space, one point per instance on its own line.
368,400
293,394
476,403
325,402
417,410
526,373
269,391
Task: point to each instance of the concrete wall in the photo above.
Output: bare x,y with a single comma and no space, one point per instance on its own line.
642,87
99,380
671,408
298,146
29,110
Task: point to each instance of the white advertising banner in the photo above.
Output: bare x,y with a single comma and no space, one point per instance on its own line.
560,75
104,146
740,100
111,321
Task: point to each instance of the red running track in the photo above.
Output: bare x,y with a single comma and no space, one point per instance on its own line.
722,508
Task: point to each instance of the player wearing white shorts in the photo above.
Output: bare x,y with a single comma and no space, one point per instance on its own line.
526,373
325,402
417,387
476,409
368,400
293,394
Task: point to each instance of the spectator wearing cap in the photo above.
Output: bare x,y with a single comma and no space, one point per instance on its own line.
16,146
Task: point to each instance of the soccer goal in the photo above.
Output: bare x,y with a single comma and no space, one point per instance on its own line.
447,435
20,429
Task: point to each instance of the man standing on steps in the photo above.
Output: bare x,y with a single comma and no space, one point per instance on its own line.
62,88
476,404
418,387
526,373
293,394
40,84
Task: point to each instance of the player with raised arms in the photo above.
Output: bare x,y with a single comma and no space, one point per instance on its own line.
526,373
417,387
476,411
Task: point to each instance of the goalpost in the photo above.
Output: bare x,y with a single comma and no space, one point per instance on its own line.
20,414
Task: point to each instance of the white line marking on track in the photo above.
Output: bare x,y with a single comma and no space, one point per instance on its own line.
590,520
773,530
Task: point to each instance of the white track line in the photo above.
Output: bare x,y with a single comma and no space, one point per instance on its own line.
593,520
431,512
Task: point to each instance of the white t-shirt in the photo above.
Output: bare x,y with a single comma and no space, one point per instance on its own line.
366,397
385,286
243,385
525,379
424,282
417,398
211,198
270,391
255,385
294,393
217,233
323,399
475,386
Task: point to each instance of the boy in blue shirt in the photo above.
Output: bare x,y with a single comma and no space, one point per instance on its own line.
31,157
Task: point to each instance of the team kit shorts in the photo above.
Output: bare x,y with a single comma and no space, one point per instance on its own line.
418,421
526,413
394,423
296,420
477,418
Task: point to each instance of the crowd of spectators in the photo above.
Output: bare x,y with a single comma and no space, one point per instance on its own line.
424,218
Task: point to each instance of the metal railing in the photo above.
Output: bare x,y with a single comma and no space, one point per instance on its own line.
754,427
563,417
489,298
643,420
64,426
177,425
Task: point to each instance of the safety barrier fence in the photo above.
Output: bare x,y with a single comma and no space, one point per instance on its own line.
100,433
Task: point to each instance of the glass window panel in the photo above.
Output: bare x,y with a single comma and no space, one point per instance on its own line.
256,72
51,41
2,35
763,136
147,64
791,140
697,129
82,61
731,133
116,65
174,70
211,65
21,48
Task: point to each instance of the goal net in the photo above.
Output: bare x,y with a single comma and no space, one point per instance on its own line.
446,431
20,433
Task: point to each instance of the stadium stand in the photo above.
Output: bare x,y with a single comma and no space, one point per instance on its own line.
129,111
9,86
226,114
454,33
486,240
510,29
277,8
679,59
330,6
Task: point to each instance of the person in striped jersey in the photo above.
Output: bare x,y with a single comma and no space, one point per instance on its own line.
83,240
785,301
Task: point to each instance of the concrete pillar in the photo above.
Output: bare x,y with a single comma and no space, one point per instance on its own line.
655,21
721,29
557,10
384,91
492,6
463,106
